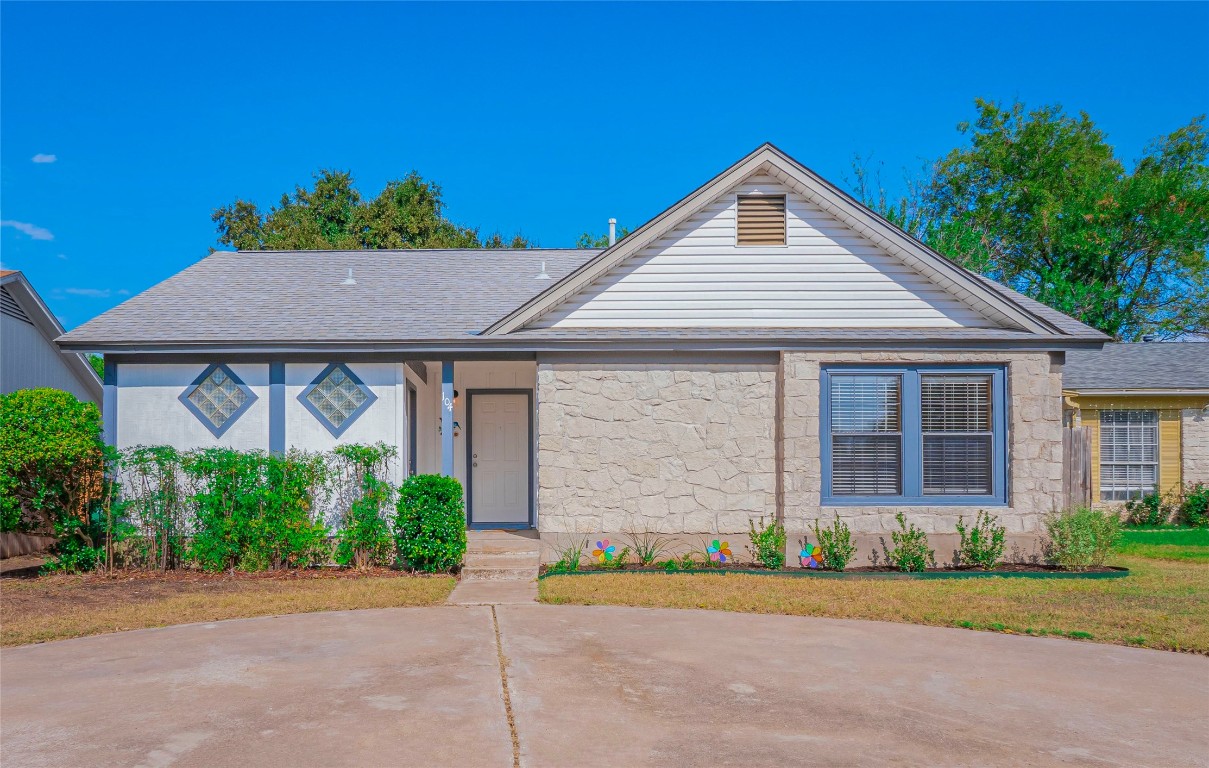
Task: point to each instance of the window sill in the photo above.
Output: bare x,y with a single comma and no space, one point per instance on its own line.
913,501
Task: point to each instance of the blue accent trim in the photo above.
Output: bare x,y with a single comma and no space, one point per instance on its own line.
247,403
277,408
447,418
370,399
912,454
109,404
532,523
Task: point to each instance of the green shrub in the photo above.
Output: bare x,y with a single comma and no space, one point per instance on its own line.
1194,506
155,503
51,460
767,543
1151,509
836,543
982,545
364,498
569,556
647,545
253,510
430,528
910,551
1082,538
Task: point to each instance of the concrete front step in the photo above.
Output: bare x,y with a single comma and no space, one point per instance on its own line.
495,573
507,560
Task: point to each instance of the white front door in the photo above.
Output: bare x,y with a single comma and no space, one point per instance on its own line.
499,458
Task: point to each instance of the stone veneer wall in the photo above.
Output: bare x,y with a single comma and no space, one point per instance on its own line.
1034,389
688,450
1194,431
684,448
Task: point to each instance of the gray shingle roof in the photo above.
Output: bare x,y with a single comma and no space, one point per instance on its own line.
416,296
297,296
1144,365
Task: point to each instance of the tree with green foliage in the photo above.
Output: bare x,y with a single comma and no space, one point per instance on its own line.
407,213
98,365
1039,201
588,240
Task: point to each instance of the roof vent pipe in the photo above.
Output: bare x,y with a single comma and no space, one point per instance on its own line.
349,280
543,275
612,232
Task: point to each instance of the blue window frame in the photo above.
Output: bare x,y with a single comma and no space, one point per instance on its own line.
931,435
217,398
337,398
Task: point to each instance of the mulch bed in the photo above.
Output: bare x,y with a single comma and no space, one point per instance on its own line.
1004,568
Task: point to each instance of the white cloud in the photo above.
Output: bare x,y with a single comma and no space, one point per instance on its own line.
123,292
63,256
92,293
41,158
33,230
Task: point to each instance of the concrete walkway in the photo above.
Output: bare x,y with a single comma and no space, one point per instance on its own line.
561,685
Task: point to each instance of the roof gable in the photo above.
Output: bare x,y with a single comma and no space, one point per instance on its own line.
824,275
994,306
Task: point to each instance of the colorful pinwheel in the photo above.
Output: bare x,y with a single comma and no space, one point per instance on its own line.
719,552
810,556
604,551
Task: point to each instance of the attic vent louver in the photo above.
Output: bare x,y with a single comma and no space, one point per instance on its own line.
761,220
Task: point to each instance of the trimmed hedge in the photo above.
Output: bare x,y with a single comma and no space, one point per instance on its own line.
430,528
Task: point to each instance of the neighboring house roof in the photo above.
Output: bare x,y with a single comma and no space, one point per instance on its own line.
457,300
1144,366
20,303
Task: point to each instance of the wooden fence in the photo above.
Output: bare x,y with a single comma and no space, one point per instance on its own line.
1076,466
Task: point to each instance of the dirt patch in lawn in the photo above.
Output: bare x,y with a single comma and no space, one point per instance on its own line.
59,607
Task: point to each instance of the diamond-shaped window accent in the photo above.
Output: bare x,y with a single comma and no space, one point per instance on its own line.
217,398
337,397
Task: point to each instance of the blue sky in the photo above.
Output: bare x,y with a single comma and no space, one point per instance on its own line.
543,118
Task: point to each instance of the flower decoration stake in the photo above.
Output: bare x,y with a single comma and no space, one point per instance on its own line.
604,551
719,552
811,555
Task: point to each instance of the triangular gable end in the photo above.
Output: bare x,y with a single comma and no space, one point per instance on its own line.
842,266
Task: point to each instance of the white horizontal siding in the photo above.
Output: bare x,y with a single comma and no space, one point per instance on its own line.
28,360
826,276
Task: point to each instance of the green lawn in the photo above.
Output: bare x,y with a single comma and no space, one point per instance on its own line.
1163,603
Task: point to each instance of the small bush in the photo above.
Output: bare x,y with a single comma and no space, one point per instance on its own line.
430,528
982,545
1151,509
569,556
647,545
1082,538
1194,506
767,543
364,537
836,543
51,460
910,551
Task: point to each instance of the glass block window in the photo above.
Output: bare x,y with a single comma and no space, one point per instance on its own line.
1129,454
914,435
866,435
337,397
955,412
217,398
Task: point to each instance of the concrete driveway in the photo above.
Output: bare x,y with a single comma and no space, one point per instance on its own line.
602,686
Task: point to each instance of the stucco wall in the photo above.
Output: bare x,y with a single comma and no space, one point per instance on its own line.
1194,435
683,449
1034,387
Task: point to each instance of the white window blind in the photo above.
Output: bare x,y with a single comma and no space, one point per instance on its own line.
1129,454
955,413
866,435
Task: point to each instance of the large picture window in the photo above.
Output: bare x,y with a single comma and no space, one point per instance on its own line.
914,435
1129,454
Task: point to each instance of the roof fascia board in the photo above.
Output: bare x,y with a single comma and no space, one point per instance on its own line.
51,329
631,244
432,351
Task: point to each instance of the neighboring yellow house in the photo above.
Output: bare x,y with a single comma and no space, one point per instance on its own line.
1146,406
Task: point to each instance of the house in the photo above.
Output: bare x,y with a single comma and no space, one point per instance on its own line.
28,355
1146,407
766,346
